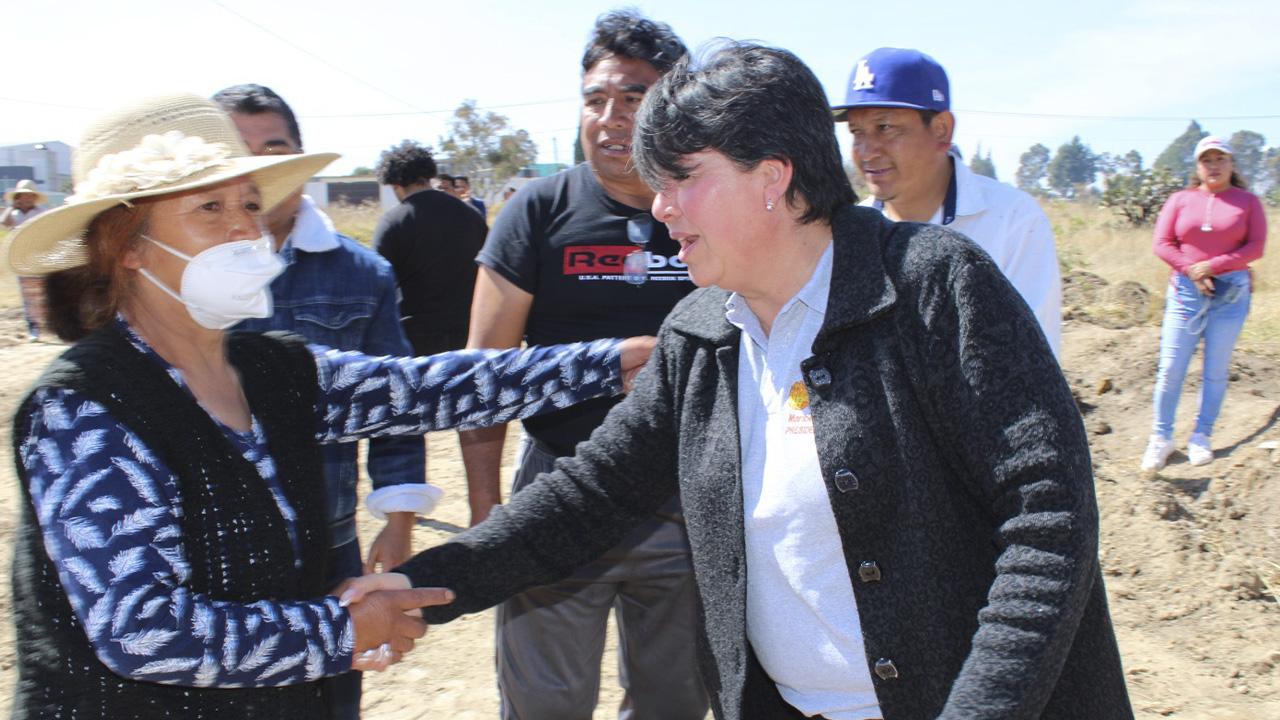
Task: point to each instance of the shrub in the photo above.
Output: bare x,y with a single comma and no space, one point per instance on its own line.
1138,197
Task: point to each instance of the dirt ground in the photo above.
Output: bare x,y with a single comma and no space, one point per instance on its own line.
1191,557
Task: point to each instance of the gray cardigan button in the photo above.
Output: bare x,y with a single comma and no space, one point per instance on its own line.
886,670
846,481
819,377
869,571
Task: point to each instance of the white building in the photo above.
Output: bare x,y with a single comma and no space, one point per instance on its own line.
47,163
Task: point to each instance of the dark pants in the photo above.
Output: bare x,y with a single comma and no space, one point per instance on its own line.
344,690
434,342
551,638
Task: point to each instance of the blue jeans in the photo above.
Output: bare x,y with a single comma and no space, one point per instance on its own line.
1189,317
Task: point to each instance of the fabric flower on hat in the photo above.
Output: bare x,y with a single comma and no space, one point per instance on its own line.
157,160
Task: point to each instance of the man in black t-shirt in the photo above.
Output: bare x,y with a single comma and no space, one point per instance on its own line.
431,239
576,257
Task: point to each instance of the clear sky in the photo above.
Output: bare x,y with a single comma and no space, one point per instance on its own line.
1121,74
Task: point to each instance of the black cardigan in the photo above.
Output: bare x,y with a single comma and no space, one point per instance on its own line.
954,458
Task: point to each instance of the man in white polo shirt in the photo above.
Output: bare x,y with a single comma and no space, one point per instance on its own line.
898,107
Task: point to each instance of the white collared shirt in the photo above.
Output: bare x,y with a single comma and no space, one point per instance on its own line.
313,231
802,617
1009,224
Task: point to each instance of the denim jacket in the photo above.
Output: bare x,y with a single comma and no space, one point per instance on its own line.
338,293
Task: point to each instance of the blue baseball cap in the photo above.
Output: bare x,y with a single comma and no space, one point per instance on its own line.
896,77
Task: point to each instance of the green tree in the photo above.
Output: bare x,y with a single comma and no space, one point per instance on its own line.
1072,167
1130,163
362,171
1127,164
1138,196
483,146
1177,158
1033,168
982,165
1249,150
1270,182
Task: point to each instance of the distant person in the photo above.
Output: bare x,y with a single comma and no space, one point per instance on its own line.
337,293
462,184
885,474
431,239
898,106
506,194
444,183
24,202
1208,233
576,256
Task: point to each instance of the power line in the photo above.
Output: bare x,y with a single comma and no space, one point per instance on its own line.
47,104
1179,118
436,112
304,51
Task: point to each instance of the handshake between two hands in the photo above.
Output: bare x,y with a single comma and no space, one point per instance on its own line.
385,611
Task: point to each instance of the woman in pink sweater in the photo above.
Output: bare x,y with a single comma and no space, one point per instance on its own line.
1208,233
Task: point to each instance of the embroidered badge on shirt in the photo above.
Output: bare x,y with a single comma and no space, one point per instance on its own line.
799,398
799,422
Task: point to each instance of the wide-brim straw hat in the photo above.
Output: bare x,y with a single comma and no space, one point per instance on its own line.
25,186
165,144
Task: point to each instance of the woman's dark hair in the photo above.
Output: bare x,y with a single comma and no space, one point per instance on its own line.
85,298
750,103
626,33
406,164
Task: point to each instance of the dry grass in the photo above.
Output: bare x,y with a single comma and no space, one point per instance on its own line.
1094,240
358,221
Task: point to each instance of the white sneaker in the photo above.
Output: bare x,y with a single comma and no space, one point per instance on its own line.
1159,448
1198,450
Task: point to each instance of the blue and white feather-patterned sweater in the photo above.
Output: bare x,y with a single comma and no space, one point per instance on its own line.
108,508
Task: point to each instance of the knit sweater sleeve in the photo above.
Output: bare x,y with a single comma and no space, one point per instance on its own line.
362,396
566,518
108,510
996,389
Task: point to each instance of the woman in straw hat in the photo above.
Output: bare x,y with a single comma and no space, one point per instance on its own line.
171,542
24,202
1208,233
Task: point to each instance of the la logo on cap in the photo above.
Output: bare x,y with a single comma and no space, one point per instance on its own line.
863,79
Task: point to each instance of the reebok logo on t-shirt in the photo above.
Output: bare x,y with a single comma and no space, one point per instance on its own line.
593,261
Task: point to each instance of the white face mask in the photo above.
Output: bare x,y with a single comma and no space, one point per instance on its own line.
226,283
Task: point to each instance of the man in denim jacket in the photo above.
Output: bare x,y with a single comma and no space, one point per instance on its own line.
338,293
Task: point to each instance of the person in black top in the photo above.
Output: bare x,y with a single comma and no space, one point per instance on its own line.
431,239
577,255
